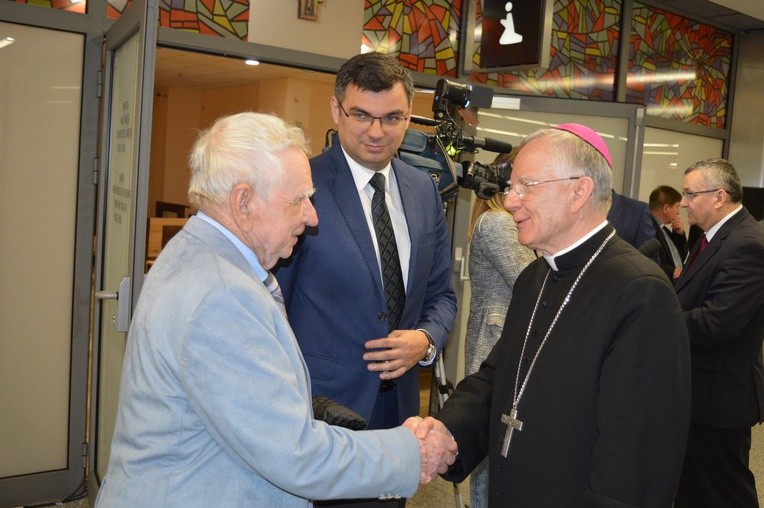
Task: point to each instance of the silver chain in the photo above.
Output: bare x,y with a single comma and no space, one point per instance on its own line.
518,396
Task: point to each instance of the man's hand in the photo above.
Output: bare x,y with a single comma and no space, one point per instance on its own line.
428,424
676,225
395,354
437,448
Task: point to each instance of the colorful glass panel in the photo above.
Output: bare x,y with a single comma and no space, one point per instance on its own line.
223,18
80,6
423,33
678,68
115,8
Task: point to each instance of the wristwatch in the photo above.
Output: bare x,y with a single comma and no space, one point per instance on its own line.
431,349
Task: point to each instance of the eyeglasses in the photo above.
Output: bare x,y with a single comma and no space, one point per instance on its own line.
521,188
689,195
364,118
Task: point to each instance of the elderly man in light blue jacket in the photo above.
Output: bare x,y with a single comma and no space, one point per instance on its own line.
215,402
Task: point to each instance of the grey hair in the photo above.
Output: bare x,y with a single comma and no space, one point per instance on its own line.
720,174
579,158
373,72
240,148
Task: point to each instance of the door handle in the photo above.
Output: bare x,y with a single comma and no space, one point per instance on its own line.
122,320
461,258
463,275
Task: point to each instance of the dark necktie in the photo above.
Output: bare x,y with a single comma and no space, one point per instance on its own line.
273,286
392,278
703,243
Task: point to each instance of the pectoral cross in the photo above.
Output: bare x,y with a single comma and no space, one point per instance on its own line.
512,424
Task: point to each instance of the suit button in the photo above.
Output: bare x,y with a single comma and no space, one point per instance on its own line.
382,316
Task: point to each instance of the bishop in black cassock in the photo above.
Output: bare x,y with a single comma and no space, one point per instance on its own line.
602,419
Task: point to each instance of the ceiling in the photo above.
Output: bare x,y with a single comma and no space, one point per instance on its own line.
741,15
198,70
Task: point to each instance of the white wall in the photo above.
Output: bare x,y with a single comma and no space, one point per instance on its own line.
337,31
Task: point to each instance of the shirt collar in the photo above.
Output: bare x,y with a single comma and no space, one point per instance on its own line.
248,254
362,174
712,231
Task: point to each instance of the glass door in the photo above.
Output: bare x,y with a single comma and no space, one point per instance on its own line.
130,47
47,213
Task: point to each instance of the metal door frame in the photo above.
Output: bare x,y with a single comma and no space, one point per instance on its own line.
141,18
66,483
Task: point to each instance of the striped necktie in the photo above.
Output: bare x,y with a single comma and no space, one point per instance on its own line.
273,286
392,277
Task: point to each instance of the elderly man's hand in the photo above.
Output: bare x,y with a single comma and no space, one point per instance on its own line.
437,448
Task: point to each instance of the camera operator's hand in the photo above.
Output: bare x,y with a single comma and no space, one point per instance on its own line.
395,354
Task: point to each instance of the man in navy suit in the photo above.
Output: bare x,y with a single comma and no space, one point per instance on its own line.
669,230
720,291
631,219
357,351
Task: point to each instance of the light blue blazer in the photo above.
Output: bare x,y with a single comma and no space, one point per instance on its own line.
215,402
333,288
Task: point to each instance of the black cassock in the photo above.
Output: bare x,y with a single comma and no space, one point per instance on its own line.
605,412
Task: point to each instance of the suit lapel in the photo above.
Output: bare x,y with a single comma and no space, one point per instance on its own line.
661,236
413,211
343,189
713,246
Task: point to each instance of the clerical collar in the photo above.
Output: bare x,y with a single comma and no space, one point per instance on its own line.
552,260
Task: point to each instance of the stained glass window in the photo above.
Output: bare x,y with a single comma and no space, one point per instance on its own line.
678,68
424,34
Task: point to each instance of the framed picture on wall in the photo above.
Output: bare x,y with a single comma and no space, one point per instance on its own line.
308,10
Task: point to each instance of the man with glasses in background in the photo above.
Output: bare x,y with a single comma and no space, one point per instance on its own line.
721,291
584,401
368,292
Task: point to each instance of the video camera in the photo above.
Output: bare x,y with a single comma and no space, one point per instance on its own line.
435,153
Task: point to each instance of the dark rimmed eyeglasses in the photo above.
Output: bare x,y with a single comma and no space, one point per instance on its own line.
364,118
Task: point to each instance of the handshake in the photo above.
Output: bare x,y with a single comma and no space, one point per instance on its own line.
437,448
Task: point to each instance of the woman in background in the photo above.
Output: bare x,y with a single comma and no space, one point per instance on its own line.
496,258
